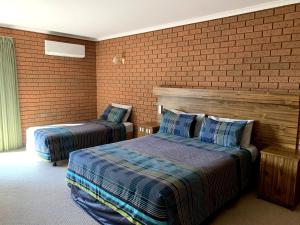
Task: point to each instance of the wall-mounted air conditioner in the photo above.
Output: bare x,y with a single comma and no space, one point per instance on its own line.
64,49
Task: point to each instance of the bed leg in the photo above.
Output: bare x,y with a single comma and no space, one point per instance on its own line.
54,164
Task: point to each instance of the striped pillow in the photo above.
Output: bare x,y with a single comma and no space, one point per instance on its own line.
114,114
177,124
223,133
106,112
167,122
183,125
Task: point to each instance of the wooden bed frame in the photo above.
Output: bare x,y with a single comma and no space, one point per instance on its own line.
276,115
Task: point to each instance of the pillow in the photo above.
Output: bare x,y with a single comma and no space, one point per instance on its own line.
128,107
246,136
114,114
183,125
199,119
106,112
167,122
177,124
223,133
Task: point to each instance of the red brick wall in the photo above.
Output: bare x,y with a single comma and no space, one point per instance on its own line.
53,89
254,51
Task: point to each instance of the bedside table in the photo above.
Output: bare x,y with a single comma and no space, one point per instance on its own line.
148,128
279,180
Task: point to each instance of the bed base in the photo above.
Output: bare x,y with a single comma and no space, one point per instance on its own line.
106,216
101,213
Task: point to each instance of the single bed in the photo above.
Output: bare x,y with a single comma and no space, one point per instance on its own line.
157,179
55,142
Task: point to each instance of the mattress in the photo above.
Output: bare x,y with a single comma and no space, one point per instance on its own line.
30,132
156,179
54,142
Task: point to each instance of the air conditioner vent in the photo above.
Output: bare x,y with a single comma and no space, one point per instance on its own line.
64,49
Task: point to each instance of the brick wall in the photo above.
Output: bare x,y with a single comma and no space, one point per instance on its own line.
254,51
53,89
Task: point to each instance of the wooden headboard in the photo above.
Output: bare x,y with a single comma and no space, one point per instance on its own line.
276,115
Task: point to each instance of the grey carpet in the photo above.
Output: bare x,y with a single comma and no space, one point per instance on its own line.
33,192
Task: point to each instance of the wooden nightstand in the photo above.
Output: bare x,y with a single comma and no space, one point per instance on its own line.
148,128
279,176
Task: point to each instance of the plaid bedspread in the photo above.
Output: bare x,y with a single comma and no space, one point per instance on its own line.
55,143
160,179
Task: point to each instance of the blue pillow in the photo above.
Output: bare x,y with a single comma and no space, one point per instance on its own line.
106,112
177,124
114,114
167,122
223,133
183,125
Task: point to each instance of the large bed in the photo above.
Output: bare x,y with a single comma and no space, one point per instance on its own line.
55,142
168,179
157,179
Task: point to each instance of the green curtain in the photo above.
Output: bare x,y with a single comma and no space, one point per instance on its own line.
10,123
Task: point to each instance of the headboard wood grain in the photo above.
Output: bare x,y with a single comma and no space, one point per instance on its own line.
276,115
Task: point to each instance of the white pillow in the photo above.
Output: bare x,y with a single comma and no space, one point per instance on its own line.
199,119
246,136
128,107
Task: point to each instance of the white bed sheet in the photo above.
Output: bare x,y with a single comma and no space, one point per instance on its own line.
128,127
253,150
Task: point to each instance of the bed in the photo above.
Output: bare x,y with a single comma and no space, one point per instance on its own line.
55,142
169,179
157,179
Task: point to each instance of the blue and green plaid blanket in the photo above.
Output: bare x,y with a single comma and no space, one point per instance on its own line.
160,179
55,143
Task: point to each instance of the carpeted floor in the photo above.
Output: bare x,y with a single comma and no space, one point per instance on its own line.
33,192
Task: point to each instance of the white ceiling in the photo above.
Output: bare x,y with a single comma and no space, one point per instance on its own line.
103,19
